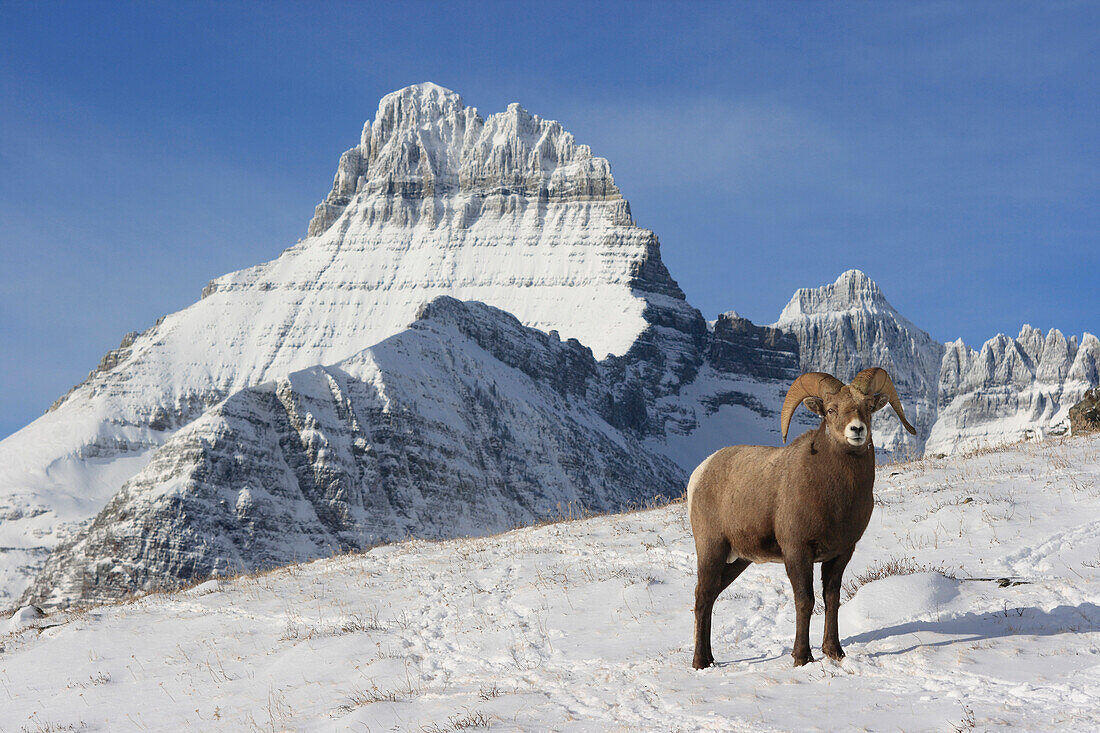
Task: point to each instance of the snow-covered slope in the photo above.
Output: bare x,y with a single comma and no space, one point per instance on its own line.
508,210
1012,389
847,326
587,626
466,423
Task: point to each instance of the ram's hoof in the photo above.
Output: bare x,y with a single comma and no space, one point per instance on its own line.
833,651
802,660
702,662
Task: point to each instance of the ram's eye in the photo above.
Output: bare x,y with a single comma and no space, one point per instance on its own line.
832,410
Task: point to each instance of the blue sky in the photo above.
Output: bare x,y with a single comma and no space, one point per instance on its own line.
950,150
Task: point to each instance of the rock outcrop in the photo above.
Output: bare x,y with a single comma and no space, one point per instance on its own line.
1084,417
734,397
739,346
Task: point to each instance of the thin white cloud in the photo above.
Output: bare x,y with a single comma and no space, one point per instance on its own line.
739,145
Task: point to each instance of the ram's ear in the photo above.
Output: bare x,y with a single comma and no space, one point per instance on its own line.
879,401
814,404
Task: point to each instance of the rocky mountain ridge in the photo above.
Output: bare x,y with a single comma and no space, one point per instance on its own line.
464,424
958,398
1012,389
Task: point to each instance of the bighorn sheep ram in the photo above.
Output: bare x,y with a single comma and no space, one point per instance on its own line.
803,503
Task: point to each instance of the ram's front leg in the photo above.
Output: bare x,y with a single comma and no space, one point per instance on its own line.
800,570
832,572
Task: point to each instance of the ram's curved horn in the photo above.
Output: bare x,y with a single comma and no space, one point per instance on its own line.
811,384
875,380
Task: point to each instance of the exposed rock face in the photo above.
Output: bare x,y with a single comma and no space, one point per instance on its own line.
1012,389
435,199
741,347
735,396
466,423
848,326
1084,417
425,143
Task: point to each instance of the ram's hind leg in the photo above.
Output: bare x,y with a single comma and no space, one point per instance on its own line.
715,575
707,588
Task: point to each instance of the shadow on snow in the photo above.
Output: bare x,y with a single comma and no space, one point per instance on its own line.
971,627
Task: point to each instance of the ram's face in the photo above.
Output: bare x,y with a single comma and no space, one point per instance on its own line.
847,415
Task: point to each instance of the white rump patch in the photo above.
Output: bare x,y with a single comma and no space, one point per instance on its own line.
695,479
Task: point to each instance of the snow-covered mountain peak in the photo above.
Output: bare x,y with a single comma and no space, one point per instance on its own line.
509,211
1030,341
1029,356
417,104
433,200
857,284
853,290
425,143
848,325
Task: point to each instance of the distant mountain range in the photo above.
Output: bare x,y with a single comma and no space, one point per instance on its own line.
473,333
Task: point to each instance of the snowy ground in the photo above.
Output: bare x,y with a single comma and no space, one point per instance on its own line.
586,625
